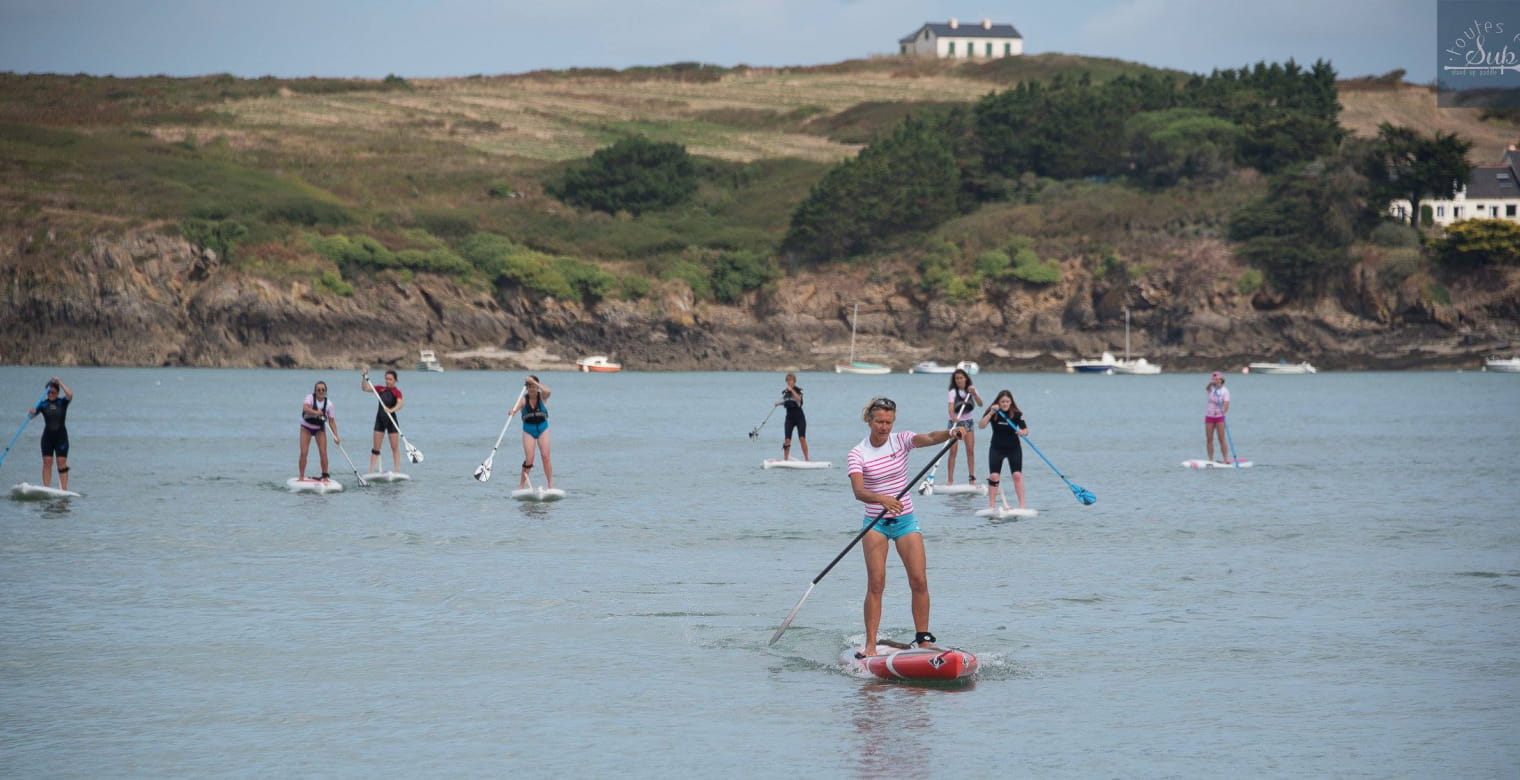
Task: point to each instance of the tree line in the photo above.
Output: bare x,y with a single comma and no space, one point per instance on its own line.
1326,190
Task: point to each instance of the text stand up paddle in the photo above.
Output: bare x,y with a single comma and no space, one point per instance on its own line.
879,515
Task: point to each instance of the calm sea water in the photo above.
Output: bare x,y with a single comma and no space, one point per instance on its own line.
1350,607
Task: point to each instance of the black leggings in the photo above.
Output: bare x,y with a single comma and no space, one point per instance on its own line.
797,421
997,455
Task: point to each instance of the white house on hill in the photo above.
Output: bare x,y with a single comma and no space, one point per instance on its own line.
955,40
1492,192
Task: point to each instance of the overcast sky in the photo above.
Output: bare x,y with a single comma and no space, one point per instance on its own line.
373,38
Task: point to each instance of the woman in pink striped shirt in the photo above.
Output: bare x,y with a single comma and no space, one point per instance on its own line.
878,470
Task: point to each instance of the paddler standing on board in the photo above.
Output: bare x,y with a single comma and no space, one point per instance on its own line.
54,408
316,417
390,403
878,469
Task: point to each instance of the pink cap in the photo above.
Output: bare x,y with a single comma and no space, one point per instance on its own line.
1217,375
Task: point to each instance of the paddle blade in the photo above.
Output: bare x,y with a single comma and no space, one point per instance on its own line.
790,615
483,472
1084,495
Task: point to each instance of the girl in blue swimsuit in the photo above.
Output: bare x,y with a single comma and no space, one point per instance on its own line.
535,425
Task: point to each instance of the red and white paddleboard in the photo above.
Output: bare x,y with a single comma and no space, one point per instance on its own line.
1217,464
895,663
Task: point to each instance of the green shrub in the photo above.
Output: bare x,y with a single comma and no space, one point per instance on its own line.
1395,235
735,273
1400,264
633,175
219,236
1250,282
334,283
994,264
1028,267
308,212
1475,243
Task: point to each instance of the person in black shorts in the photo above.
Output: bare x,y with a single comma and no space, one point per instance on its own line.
791,398
54,408
385,424
1007,422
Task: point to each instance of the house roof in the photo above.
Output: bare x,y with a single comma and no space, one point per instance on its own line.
1495,182
963,30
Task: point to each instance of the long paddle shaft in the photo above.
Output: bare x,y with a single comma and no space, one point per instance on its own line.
756,431
879,515
412,453
28,419
357,475
1234,453
1083,494
483,471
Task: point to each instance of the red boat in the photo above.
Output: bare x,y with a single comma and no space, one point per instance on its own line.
895,662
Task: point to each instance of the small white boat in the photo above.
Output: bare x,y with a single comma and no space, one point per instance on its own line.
1104,365
1281,367
1510,365
1136,367
931,367
427,361
858,366
598,364
1133,366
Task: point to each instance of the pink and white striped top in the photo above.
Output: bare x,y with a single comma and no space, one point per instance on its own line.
883,469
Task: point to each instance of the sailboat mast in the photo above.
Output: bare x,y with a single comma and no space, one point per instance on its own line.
1126,334
855,318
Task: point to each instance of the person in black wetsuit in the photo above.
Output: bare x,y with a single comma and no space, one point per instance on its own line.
791,398
1007,422
54,408
385,424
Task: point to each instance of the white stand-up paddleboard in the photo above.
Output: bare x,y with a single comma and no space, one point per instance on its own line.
386,476
956,490
29,492
1215,464
311,485
1007,512
539,493
777,463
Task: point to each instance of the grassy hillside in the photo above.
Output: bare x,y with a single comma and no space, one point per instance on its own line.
421,165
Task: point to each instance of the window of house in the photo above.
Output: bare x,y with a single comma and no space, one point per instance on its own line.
989,50
1456,212
951,50
1493,211
1509,210
1440,211
1007,49
970,49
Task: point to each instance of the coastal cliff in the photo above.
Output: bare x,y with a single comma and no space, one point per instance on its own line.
144,298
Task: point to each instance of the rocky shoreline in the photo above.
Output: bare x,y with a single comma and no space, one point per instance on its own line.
146,299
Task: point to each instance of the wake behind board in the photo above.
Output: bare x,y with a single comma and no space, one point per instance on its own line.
1007,512
538,494
29,492
309,485
386,476
1216,464
776,463
955,490
939,664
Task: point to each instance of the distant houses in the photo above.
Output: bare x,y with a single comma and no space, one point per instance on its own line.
953,40
1490,193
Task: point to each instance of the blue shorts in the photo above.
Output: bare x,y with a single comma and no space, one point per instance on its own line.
894,527
534,429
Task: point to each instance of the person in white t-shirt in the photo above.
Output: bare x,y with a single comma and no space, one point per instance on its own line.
878,471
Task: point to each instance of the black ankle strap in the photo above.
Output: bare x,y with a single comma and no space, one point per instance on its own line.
923,638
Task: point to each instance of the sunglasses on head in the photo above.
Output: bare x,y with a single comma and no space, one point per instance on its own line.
885,404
